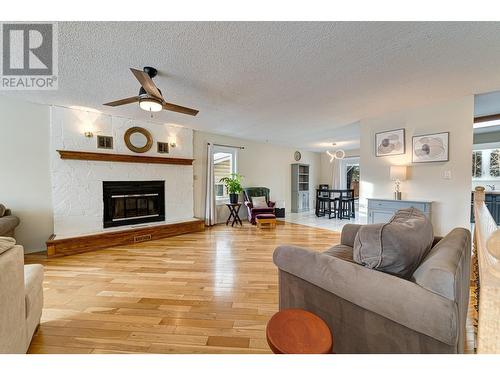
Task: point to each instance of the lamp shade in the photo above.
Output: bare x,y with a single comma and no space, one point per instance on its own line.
398,172
150,104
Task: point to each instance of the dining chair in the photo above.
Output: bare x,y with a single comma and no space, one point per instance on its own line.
334,200
321,200
347,209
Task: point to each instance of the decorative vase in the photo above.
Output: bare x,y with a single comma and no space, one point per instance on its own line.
233,198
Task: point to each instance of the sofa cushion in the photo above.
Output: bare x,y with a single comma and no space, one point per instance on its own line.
259,202
340,251
33,279
438,271
396,247
6,243
2,210
265,216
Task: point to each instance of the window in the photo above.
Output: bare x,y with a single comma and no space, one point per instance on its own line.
349,171
477,164
352,174
224,165
486,164
494,163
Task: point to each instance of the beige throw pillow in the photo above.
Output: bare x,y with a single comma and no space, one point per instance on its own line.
2,210
259,202
397,247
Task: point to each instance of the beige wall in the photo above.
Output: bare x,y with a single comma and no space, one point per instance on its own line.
451,207
24,165
261,164
325,176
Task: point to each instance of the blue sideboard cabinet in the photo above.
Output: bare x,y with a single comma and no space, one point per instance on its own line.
381,210
492,201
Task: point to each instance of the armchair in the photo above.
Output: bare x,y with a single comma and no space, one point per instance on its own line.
257,192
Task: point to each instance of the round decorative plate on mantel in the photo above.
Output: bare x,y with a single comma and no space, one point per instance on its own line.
297,156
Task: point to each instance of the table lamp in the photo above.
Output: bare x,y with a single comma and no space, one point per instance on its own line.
398,174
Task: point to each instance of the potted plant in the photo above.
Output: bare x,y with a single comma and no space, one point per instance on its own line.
233,186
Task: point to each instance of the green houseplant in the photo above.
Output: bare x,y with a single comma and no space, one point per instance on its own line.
233,186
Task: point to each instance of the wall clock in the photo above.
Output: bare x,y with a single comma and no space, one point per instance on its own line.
297,156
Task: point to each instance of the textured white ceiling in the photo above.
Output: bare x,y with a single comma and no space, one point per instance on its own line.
293,83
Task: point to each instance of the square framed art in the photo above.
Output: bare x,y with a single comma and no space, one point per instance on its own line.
390,142
430,148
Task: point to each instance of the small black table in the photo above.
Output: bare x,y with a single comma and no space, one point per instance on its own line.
234,208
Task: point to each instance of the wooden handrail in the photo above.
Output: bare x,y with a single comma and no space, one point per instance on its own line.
486,276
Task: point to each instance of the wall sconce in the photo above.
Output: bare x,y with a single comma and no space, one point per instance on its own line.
88,129
398,174
172,141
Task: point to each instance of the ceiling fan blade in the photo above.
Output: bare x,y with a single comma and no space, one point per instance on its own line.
180,109
132,99
146,82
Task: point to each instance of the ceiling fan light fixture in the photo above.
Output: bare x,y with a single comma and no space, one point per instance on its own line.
150,104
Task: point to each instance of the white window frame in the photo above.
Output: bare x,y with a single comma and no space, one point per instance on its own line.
347,161
234,169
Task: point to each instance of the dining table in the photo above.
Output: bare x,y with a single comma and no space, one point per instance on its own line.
326,197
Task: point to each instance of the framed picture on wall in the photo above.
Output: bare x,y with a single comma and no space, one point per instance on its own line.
390,142
430,148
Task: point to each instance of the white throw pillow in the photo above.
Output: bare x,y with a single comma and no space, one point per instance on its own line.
259,202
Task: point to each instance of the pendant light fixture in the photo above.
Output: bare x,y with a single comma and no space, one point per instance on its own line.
335,154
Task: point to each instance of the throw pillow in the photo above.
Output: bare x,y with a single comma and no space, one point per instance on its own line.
2,210
397,247
259,202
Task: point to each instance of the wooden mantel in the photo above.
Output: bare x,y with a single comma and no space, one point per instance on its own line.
99,156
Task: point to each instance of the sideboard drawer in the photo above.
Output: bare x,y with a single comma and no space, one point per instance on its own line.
397,205
376,217
381,210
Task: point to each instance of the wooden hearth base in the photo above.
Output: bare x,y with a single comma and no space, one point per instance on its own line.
73,245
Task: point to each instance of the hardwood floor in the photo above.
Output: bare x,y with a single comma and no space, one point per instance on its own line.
206,292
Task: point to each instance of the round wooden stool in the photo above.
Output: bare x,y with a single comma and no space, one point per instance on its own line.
296,331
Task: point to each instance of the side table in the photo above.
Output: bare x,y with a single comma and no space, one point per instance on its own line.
234,208
297,331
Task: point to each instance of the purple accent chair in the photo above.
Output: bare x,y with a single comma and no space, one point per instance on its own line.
257,192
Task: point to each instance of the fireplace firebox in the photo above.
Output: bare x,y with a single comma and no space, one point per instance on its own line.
133,202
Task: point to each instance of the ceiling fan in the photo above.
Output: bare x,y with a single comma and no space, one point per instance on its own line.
150,98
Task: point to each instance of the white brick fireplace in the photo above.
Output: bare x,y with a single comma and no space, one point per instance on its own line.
77,193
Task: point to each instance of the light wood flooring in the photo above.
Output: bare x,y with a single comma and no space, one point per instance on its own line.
206,292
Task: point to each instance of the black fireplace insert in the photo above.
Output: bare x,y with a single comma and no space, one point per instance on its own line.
133,202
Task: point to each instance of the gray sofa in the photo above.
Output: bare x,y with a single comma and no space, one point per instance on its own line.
369,311
8,222
21,298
